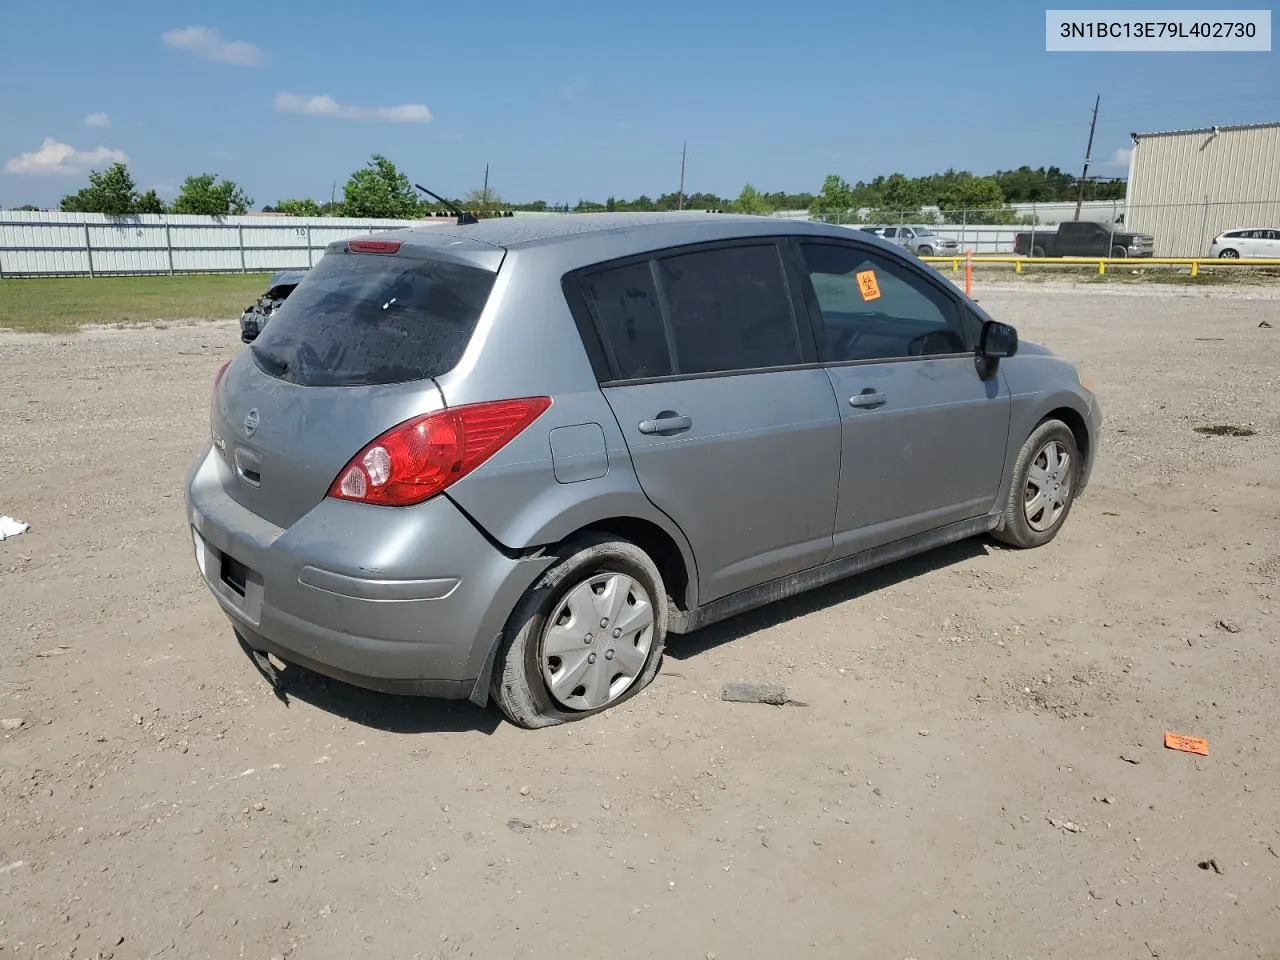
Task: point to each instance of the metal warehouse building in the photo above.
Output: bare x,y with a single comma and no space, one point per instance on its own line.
1187,186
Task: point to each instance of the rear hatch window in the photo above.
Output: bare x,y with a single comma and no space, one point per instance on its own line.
359,319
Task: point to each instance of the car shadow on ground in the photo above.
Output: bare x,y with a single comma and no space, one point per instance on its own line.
390,713
691,645
417,715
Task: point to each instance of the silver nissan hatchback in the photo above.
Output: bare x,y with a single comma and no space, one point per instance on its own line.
505,459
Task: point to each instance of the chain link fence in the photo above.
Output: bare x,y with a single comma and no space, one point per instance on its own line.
1177,229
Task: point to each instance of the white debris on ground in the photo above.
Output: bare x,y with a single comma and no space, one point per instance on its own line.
10,527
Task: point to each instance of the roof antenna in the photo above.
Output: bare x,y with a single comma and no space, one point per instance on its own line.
462,215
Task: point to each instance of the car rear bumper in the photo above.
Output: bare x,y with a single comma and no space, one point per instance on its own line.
405,600
1095,441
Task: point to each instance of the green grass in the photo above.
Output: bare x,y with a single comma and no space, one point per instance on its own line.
64,304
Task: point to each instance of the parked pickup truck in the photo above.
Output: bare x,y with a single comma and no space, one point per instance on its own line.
1084,238
921,241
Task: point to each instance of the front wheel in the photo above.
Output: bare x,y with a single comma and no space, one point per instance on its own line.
926,251
587,636
1043,488
1119,253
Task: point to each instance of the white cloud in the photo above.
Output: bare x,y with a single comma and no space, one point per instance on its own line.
1120,158
574,90
97,120
207,43
326,106
55,157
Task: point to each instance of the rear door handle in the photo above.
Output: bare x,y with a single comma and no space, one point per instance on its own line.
867,398
665,423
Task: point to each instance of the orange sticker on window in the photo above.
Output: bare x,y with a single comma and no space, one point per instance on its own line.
868,286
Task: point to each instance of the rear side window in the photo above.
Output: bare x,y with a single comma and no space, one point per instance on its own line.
360,319
729,309
625,304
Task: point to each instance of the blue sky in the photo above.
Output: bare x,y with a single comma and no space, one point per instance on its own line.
577,99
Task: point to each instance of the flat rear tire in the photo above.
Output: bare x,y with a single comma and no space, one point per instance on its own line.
585,638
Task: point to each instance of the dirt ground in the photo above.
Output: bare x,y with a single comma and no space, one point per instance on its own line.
979,770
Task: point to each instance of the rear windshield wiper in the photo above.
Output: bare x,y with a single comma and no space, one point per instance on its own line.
278,365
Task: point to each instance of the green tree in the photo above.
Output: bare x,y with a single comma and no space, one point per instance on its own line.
27,206
110,191
305,207
835,198
905,194
208,195
486,203
750,200
970,199
149,202
380,190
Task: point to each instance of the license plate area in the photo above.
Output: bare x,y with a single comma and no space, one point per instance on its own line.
235,575
235,583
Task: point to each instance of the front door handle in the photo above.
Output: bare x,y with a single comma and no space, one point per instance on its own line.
666,422
867,398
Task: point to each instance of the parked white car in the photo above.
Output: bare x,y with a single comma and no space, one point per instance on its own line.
1250,243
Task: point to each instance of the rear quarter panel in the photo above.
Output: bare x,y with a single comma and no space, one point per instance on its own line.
527,344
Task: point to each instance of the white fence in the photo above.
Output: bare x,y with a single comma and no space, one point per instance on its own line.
43,243
40,243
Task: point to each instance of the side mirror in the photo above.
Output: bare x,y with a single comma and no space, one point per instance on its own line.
997,340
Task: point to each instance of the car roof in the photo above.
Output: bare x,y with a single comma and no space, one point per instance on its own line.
646,230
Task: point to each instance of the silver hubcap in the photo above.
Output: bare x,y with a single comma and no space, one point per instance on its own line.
597,641
1048,486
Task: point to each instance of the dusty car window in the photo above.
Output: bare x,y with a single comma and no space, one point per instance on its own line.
874,309
626,309
360,319
729,309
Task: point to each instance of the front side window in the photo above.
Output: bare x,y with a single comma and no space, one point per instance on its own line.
873,308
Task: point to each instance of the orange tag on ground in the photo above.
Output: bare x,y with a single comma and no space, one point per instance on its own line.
868,286
1196,745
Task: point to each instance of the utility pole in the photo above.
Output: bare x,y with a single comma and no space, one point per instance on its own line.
1088,155
680,196
484,193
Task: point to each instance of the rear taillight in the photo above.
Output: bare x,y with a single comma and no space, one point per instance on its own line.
417,459
374,246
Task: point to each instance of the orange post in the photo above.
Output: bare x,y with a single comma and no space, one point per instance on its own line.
968,272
